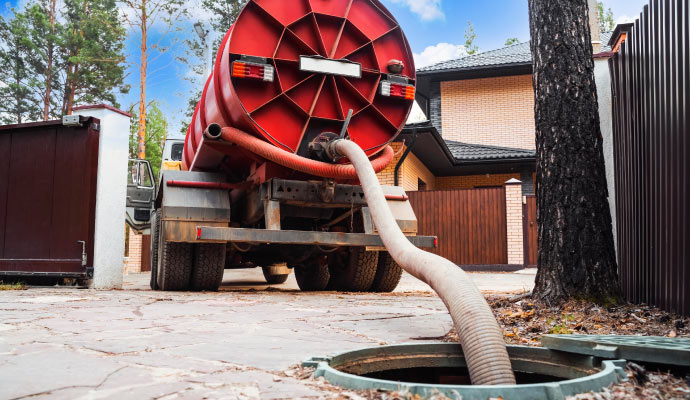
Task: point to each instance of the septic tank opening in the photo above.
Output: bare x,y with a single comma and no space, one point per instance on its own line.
425,369
451,376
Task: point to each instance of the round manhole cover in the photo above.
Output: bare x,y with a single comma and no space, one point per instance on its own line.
427,369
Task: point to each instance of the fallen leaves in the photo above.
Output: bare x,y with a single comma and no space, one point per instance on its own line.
525,321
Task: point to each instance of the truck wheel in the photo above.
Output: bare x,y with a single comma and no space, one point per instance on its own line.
175,266
155,229
388,274
274,279
353,270
209,266
313,275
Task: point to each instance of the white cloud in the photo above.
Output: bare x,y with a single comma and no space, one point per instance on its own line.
624,19
428,10
439,53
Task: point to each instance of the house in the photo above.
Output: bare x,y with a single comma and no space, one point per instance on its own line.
480,134
480,130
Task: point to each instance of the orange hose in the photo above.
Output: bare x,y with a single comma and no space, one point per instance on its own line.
299,163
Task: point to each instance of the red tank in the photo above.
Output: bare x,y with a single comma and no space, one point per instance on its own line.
288,71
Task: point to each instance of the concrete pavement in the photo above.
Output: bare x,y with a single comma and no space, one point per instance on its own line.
240,343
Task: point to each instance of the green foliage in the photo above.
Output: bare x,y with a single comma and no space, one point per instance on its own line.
560,330
93,49
54,59
470,37
46,36
224,14
606,19
12,286
512,41
156,134
16,101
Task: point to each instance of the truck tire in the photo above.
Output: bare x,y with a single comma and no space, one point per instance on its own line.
353,270
175,266
155,234
272,279
313,275
388,274
209,266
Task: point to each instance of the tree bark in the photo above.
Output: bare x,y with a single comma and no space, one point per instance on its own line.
141,152
49,67
576,251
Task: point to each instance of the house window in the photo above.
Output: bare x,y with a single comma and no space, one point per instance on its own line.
421,185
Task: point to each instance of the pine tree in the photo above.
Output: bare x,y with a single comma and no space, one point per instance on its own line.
141,15
16,100
92,53
45,35
576,252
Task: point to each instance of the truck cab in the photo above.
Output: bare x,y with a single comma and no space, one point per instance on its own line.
141,185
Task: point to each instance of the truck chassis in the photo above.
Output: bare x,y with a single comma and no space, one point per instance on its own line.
321,230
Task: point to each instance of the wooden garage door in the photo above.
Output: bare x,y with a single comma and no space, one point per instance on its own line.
470,224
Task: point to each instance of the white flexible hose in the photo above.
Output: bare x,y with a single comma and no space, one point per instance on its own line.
480,336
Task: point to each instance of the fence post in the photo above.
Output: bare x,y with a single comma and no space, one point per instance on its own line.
514,216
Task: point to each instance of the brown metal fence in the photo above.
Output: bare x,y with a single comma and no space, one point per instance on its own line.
47,198
470,224
651,87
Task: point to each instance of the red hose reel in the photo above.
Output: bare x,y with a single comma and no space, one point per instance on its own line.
288,71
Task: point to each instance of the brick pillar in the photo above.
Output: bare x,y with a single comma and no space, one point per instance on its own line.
134,256
516,238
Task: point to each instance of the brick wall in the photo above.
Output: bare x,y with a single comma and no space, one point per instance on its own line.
516,244
490,111
411,170
473,181
134,255
387,176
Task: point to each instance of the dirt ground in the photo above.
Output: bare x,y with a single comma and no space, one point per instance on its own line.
243,342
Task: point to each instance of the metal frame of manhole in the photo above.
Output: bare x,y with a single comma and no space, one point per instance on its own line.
583,373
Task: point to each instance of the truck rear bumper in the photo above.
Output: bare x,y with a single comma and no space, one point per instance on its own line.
263,236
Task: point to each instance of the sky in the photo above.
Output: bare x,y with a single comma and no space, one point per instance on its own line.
434,28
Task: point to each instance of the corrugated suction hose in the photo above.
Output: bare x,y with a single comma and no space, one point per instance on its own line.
480,336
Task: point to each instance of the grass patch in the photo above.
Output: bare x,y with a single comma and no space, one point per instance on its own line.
12,286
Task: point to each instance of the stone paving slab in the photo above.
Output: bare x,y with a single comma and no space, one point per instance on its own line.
236,344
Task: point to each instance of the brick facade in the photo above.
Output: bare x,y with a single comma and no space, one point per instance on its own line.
133,265
411,171
489,111
473,181
516,244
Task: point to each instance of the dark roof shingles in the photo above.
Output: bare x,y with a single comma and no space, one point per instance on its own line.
475,152
516,54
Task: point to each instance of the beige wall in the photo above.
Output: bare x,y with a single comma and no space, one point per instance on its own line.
489,111
411,170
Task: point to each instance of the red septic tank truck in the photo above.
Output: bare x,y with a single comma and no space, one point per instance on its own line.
256,187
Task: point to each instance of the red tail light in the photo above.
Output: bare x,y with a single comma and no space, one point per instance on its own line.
241,69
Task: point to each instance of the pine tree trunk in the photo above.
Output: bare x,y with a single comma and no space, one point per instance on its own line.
576,252
142,86
49,69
